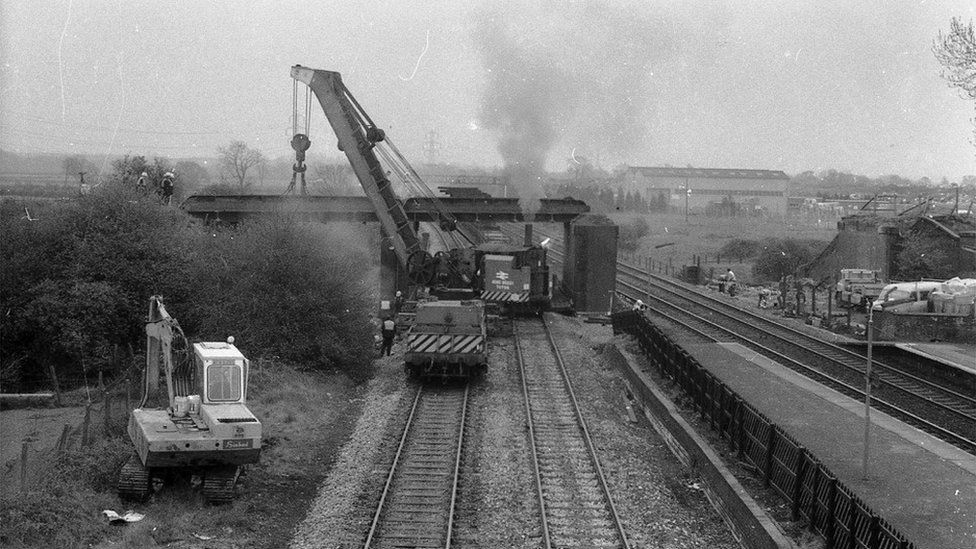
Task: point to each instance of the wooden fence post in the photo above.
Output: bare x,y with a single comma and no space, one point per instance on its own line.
108,414
57,386
63,439
24,450
852,523
85,425
770,449
128,396
829,528
874,532
740,442
801,468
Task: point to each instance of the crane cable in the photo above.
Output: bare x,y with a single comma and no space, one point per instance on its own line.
415,183
300,141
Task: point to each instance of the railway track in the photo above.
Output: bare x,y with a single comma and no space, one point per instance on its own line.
929,406
417,505
577,509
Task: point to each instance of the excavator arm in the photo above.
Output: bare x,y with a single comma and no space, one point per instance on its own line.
161,330
357,136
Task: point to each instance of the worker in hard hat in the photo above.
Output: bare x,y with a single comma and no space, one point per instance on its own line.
166,190
142,184
639,305
397,302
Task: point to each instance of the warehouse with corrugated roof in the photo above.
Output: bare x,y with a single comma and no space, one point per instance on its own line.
714,191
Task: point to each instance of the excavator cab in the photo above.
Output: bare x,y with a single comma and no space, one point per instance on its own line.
222,370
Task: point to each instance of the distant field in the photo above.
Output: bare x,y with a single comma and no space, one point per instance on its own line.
672,239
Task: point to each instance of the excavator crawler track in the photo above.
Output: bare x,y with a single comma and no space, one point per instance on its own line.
134,480
218,484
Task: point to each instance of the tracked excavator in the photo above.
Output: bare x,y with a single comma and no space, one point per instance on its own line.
204,430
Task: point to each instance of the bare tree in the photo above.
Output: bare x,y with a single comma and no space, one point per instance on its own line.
75,164
332,177
956,51
236,159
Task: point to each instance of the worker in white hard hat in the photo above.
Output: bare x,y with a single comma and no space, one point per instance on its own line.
638,305
166,189
142,184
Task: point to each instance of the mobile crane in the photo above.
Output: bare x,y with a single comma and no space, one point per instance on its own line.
463,269
206,430
358,137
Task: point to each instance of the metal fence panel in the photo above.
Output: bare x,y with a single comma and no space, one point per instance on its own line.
830,508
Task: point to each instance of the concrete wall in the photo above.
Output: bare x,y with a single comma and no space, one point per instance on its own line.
923,327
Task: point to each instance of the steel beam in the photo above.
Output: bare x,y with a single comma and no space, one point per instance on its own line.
234,208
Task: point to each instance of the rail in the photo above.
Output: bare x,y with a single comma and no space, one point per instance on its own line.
416,507
938,410
562,482
954,413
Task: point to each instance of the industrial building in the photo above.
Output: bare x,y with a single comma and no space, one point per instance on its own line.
714,191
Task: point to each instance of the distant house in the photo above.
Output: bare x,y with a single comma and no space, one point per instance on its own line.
712,190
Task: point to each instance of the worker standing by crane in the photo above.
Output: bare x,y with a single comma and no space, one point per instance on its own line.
388,332
166,189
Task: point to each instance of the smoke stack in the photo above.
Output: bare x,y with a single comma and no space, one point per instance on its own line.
528,235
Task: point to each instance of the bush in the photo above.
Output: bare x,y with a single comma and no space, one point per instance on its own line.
782,257
76,282
925,257
740,249
290,289
631,234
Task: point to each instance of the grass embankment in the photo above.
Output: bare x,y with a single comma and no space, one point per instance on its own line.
672,238
306,417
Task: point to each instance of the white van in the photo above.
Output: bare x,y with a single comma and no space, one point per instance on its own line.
905,292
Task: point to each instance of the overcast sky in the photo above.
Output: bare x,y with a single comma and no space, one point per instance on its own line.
791,85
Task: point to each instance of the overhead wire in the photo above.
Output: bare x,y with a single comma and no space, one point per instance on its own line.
79,127
53,137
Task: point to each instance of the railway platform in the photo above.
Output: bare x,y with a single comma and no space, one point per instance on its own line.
958,355
922,486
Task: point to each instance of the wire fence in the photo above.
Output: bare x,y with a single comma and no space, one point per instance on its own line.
814,494
105,416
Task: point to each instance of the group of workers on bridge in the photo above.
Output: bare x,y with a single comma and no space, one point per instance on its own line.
163,189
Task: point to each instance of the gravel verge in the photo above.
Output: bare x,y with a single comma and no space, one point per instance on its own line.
335,518
774,505
497,505
660,502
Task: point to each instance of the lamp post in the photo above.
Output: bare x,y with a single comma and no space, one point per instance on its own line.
867,393
687,196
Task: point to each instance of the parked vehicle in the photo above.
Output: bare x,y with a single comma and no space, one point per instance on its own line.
903,293
858,287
